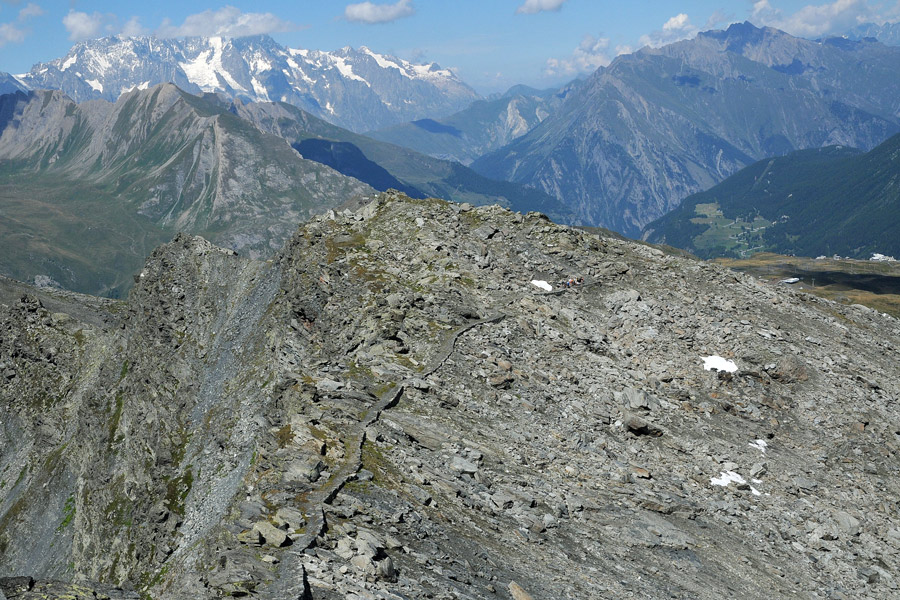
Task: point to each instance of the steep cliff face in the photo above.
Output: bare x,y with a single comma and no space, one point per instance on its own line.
391,408
660,124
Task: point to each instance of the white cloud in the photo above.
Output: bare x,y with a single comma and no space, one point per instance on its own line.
591,54
368,12
679,22
82,26
226,22
13,33
133,28
30,10
834,17
10,34
530,7
675,29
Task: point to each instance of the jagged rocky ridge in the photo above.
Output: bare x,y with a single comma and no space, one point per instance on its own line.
357,89
389,409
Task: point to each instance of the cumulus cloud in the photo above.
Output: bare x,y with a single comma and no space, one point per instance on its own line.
30,10
369,12
591,54
833,17
83,26
133,27
226,22
675,29
530,7
10,34
14,32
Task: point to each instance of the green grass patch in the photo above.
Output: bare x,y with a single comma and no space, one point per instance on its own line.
68,513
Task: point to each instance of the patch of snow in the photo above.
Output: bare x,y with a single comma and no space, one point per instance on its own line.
261,92
95,84
339,63
298,70
206,69
759,445
755,491
542,284
69,62
261,64
726,478
718,363
429,72
141,86
382,61
329,108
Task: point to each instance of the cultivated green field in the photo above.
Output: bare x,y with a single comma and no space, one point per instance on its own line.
741,236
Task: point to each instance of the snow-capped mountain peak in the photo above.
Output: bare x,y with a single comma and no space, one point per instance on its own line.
358,89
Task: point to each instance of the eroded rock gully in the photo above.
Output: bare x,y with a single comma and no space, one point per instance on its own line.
390,409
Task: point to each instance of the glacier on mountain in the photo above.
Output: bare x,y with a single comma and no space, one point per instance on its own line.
357,89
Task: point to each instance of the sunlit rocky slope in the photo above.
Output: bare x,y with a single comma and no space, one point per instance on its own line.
391,409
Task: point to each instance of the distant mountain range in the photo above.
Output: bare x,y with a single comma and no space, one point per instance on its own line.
356,89
886,33
484,126
812,202
382,165
660,124
87,190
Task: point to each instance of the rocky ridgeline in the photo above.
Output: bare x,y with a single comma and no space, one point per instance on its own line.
390,409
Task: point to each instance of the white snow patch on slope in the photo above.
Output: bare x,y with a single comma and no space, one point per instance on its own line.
426,72
346,70
759,445
726,478
718,363
141,86
205,70
382,61
542,284
69,62
261,64
95,84
260,89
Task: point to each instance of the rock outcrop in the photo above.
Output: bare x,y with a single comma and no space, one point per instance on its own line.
391,409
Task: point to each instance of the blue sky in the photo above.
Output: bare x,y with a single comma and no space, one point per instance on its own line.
491,44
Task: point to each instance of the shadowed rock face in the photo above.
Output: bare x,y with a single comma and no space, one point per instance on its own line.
390,408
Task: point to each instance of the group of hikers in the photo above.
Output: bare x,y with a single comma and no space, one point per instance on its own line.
571,282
